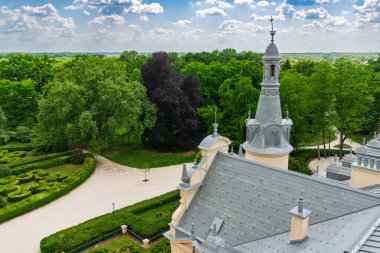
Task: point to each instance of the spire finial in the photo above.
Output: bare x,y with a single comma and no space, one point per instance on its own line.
287,114
215,124
249,114
272,32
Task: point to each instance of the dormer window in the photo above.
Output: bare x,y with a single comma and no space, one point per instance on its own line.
272,67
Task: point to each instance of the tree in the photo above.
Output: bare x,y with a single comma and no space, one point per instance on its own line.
293,92
177,125
88,103
352,98
3,119
19,102
305,67
321,101
286,66
237,97
22,67
133,62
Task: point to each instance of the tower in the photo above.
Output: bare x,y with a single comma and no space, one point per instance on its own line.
268,135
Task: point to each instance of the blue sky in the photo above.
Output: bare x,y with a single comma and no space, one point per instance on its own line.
183,25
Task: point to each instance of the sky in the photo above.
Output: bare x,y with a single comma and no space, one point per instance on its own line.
188,26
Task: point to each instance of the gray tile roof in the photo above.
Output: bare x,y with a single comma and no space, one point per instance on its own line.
372,243
333,236
254,200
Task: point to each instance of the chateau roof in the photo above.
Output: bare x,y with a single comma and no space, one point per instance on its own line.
254,199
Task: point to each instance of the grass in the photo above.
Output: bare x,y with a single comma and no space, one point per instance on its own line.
344,146
122,243
137,156
358,137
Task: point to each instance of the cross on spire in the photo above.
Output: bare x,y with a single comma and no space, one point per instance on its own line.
272,32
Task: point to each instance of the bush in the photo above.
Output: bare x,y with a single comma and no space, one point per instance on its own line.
25,177
16,196
77,157
31,203
5,171
2,202
41,158
41,165
146,227
9,181
23,134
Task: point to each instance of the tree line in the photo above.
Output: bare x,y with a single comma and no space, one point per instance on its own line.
168,100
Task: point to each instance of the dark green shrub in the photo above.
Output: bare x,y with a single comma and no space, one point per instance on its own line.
23,134
77,157
2,202
26,177
101,250
41,165
9,181
5,190
35,159
16,196
5,171
40,174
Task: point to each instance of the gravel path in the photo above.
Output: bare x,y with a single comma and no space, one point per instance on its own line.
111,182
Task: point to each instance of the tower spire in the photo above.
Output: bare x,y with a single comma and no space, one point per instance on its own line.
272,32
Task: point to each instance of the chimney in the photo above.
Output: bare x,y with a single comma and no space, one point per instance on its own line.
299,223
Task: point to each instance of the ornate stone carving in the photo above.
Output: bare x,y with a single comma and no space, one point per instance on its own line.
270,92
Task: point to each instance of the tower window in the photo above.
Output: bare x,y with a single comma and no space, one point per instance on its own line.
271,70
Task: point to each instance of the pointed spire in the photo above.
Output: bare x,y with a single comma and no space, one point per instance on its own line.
185,178
249,114
193,237
272,32
287,114
363,141
241,151
232,150
215,125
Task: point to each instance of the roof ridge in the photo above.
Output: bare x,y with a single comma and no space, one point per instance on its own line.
298,174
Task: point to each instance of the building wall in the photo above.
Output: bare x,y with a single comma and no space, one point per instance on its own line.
362,177
279,161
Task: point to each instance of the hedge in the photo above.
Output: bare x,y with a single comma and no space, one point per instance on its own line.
31,203
71,238
16,146
41,165
40,158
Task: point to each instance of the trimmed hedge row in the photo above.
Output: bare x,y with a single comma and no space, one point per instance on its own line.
71,238
8,157
41,165
17,147
33,202
40,158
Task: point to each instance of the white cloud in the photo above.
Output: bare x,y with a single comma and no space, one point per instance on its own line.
247,2
314,25
114,19
40,22
134,27
153,8
162,31
331,30
182,22
213,11
255,17
326,1
193,35
319,13
263,3
87,13
336,21
144,18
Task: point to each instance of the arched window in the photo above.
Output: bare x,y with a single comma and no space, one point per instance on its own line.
272,70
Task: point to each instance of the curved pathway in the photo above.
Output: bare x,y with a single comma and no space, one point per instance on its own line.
111,182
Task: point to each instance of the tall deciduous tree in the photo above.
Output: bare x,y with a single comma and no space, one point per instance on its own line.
293,92
352,98
21,67
19,102
321,101
177,125
88,103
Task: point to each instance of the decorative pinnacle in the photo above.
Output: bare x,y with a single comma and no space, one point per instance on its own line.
215,125
272,32
287,114
192,232
215,232
249,114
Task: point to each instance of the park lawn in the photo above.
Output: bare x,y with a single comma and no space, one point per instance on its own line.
138,156
122,243
344,146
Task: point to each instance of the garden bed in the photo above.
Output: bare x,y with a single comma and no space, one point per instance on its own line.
146,218
33,188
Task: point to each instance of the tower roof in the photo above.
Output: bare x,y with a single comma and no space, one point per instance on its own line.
272,50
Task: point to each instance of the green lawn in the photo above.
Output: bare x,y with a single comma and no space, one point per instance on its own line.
344,146
137,155
122,243
358,137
